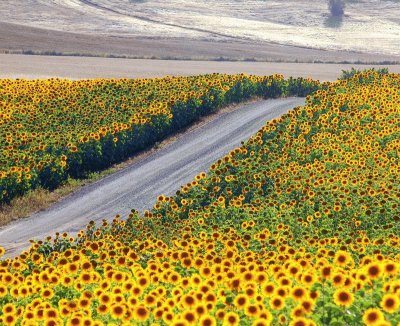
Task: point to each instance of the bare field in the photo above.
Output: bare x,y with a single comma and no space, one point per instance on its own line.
368,25
291,30
20,38
31,67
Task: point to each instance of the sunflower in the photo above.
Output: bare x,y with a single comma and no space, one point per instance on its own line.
105,298
9,309
282,291
188,301
308,305
251,310
343,298
51,313
390,303
284,281
9,320
373,317
220,314
200,309
308,279
180,322
3,290
158,313
168,317
342,258
231,318
141,313
374,271
150,300
298,293
190,317
326,272
143,282
240,301
102,309
75,320
268,289
207,320
28,315
299,321
338,280
47,293
297,312
55,322
84,303
277,303
261,322
391,268
117,311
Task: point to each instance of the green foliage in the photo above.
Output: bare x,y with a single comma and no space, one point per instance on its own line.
349,74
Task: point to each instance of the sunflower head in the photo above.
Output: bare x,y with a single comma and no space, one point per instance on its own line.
390,303
343,298
372,317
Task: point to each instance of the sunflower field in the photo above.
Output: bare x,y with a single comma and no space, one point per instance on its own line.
54,129
299,226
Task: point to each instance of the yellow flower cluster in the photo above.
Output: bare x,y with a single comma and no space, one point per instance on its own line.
208,278
52,129
299,226
335,157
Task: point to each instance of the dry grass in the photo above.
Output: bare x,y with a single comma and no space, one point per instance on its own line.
22,206
40,199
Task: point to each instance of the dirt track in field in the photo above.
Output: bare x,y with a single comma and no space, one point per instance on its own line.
28,66
138,186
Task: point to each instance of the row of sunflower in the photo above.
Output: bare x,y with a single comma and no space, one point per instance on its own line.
299,226
54,129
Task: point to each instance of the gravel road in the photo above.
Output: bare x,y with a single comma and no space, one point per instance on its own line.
138,185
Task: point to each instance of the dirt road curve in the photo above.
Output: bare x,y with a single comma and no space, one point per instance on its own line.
138,185
28,66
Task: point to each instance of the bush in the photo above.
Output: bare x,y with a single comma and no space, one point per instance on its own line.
349,74
336,7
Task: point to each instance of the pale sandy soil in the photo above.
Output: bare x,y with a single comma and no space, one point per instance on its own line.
29,66
235,29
